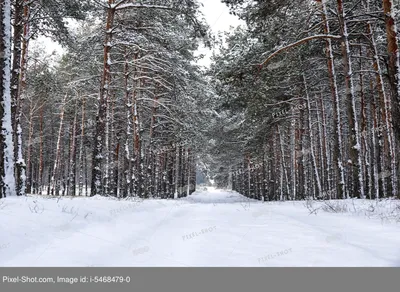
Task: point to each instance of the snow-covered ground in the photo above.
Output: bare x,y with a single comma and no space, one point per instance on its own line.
209,228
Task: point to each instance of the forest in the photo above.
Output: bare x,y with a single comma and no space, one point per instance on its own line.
301,101
310,92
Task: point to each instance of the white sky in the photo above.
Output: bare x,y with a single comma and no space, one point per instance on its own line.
219,19
216,14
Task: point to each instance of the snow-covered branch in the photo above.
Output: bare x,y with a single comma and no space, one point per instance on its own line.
302,41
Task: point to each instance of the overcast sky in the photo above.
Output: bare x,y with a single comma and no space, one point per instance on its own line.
219,19
215,12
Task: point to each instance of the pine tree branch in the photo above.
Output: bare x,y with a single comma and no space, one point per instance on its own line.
307,39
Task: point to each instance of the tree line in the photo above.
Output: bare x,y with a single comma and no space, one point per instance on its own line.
330,69
116,114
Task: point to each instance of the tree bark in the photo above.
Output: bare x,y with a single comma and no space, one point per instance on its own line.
393,63
7,175
97,158
338,149
355,145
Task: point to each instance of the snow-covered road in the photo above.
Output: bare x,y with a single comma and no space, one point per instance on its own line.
209,228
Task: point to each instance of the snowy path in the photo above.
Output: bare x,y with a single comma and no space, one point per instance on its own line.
212,228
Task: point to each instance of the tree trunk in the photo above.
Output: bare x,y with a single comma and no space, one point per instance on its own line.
81,148
337,150
393,63
355,145
97,172
15,96
54,182
7,175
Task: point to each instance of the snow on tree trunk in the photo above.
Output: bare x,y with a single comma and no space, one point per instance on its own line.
293,177
54,181
337,120
16,91
375,155
97,158
355,146
7,149
316,172
284,173
81,147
